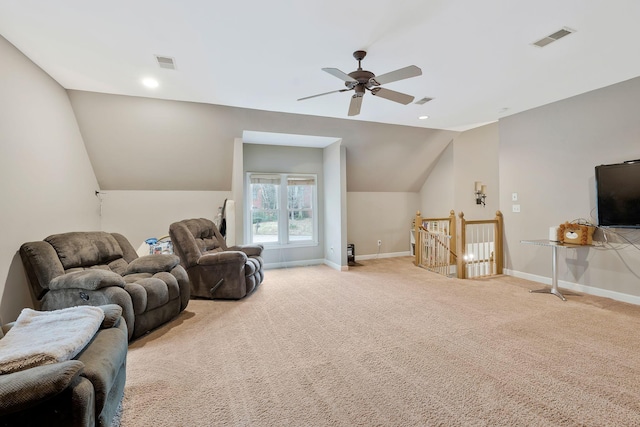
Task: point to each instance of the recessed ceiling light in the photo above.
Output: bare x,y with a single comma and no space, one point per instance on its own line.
423,117
150,82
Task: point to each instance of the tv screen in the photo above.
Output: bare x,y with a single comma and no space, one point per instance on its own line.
618,194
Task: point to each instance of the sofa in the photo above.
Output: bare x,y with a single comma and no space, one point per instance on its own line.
98,268
85,390
216,271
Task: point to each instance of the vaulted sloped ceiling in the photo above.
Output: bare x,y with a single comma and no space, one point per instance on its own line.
244,65
478,58
150,144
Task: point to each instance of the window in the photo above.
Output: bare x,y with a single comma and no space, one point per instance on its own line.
282,209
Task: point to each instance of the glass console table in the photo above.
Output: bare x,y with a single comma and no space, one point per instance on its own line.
554,264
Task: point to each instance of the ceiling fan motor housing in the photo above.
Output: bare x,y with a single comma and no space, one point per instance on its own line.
362,76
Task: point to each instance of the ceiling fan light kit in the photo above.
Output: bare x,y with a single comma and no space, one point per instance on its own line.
361,80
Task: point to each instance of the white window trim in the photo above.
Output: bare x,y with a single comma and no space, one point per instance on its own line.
283,234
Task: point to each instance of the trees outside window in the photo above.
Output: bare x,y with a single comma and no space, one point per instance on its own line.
282,208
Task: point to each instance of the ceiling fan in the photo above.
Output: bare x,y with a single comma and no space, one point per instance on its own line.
362,80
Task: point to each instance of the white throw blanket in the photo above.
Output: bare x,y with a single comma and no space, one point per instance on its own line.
44,337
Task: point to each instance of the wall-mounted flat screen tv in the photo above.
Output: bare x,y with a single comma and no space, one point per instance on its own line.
618,194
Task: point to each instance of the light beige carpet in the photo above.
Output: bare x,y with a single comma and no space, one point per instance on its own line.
389,344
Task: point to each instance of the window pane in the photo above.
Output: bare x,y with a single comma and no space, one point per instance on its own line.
265,226
300,225
299,196
300,208
264,212
265,196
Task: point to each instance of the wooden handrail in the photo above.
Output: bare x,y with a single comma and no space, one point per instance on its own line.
498,223
419,221
458,247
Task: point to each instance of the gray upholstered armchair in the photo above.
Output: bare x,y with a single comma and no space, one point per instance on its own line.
85,390
98,268
216,270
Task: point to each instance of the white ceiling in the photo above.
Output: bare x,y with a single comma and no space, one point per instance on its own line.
477,57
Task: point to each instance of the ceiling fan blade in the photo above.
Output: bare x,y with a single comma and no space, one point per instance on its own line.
339,74
401,74
354,106
392,95
322,94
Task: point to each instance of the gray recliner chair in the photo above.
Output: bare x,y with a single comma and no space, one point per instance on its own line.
98,268
216,270
85,391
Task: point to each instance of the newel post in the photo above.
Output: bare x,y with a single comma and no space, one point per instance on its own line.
416,237
499,242
454,237
462,248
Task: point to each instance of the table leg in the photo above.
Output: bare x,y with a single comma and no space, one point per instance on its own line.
554,276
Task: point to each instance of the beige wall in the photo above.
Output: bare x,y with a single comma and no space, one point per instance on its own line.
471,156
438,192
548,156
139,215
47,184
475,154
381,216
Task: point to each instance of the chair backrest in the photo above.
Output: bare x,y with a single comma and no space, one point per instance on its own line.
67,252
194,237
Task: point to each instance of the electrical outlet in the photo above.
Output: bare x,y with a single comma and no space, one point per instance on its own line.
379,242
515,208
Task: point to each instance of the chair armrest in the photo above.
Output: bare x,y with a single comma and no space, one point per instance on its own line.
152,264
250,250
25,389
112,314
226,257
87,279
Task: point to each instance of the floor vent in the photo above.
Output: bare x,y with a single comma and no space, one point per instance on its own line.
553,37
166,62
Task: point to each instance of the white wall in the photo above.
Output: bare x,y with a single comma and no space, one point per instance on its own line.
236,236
548,156
335,205
381,216
139,215
47,183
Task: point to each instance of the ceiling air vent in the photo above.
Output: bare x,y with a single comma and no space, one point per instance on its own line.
166,62
553,37
423,100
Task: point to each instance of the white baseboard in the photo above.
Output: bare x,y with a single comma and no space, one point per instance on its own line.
385,255
577,287
287,264
336,266
307,262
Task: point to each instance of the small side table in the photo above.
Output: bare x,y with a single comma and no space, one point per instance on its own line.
554,264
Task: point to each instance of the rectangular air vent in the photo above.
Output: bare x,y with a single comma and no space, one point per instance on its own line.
166,62
423,100
553,37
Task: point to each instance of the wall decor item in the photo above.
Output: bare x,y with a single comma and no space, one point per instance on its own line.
577,234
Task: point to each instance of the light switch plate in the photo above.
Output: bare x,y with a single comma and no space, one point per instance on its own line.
514,197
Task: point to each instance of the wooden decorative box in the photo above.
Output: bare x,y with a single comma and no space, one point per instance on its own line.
576,234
